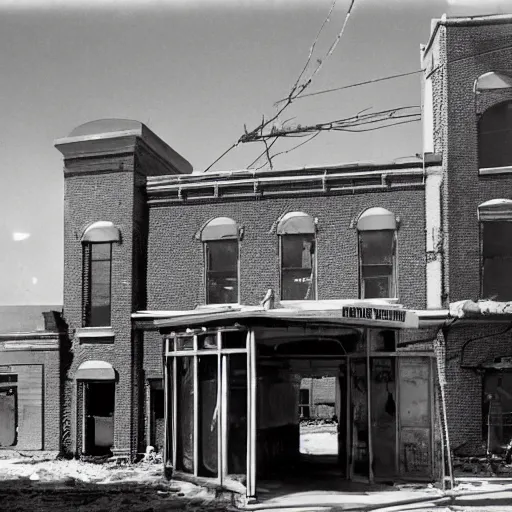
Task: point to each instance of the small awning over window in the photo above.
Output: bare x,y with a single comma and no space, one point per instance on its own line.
295,223
102,231
495,209
492,81
220,228
376,219
95,370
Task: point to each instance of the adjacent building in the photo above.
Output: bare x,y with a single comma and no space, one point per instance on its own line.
32,339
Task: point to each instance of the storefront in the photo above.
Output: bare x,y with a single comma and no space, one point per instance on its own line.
232,391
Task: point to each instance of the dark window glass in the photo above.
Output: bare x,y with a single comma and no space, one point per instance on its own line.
495,136
497,260
377,262
97,280
297,267
222,272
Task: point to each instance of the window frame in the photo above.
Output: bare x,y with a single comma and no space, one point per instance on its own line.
496,169
482,259
86,283
207,271
493,210
378,219
314,272
394,266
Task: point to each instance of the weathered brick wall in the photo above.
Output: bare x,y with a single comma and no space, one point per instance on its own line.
483,344
461,55
176,261
470,52
89,198
50,420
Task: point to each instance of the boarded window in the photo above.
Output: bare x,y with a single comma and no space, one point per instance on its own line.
221,271
297,267
96,284
497,260
377,264
495,136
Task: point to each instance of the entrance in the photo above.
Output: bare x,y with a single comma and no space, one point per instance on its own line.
99,401
206,404
8,410
234,402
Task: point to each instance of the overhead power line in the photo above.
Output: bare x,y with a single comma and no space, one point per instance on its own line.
358,84
352,123
299,88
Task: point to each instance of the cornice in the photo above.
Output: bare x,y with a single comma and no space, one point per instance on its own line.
163,190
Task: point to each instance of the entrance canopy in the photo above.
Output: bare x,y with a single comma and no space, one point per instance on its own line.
363,313
95,370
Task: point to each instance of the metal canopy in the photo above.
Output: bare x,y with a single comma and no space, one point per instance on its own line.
366,313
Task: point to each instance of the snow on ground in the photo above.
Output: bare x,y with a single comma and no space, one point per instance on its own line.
319,439
61,485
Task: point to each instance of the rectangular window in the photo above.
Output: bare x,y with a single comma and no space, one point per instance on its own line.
377,264
304,404
97,284
221,272
497,260
298,267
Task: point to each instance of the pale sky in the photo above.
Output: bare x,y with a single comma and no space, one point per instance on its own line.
194,71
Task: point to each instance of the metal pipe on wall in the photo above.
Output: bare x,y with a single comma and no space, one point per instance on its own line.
196,409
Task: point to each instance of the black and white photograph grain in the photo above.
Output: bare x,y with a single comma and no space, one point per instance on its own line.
256,256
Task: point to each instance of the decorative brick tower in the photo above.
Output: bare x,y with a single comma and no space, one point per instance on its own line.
106,163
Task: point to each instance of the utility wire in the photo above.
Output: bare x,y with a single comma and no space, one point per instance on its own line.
465,57
343,87
312,49
310,138
350,122
221,156
297,89
263,153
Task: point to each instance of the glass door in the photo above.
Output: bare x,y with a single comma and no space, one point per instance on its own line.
383,417
415,417
206,409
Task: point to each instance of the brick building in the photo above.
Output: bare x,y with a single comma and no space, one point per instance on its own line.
31,339
152,249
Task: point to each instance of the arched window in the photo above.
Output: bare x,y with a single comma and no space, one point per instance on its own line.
495,136
377,254
495,218
220,239
296,231
97,242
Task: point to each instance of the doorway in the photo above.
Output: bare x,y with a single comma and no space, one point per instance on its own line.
317,417
8,410
99,403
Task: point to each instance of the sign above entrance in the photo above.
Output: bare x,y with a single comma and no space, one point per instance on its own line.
374,314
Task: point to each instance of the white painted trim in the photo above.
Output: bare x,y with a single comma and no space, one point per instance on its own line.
490,171
376,219
495,209
433,231
95,332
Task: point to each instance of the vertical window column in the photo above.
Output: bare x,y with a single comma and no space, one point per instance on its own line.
377,254
97,243
297,237
220,238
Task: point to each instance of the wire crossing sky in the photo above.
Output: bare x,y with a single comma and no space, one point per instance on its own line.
195,72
